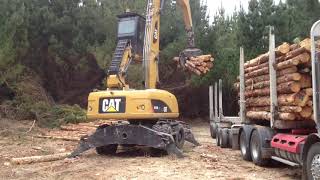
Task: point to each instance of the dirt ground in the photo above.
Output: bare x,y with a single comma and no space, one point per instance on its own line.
203,162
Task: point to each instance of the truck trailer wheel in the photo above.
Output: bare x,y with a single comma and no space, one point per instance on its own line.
213,130
218,138
230,138
107,150
313,162
224,138
256,150
244,148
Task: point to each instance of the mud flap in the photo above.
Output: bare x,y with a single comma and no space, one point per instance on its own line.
128,135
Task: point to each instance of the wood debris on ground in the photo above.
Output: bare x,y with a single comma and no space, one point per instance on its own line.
71,132
35,159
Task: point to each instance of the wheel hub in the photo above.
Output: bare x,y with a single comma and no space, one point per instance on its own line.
315,167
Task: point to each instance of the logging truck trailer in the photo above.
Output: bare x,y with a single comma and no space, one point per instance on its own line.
221,126
292,142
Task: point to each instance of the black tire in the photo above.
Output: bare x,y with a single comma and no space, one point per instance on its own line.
179,138
107,150
244,149
230,138
224,138
213,130
218,139
256,150
313,162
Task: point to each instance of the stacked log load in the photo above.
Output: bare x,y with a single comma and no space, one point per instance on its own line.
294,83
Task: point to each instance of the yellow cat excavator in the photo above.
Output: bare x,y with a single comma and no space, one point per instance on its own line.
144,117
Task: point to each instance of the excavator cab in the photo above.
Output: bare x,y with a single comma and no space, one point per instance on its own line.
131,27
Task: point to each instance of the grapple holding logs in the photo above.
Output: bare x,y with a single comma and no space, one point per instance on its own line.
192,61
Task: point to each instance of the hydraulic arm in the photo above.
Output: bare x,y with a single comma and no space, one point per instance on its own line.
151,47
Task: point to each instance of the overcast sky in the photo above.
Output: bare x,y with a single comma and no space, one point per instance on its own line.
228,5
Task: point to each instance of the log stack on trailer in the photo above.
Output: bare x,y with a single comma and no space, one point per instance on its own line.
294,84
278,93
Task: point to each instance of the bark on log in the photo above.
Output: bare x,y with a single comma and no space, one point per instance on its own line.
306,43
295,99
309,91
262,108
294,47
300,59
306,112
59,138
283,88
282,72
284,48
34,159
263,115
289,87
289,77
262,84
295,53
203,58
265,64
285,109
305,81
258,72
192,69
209,65
290,109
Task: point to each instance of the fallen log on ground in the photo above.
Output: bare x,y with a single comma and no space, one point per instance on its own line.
35,159
58,138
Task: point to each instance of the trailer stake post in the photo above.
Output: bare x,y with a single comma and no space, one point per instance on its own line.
220,100
315,35
211,103
216,113
273,76
242,88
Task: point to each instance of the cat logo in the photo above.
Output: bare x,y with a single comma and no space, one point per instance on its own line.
112,105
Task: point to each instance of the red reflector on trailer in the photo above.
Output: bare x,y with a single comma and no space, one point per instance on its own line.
288,142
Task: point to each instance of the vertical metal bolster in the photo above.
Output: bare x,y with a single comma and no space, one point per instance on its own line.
315,32
216,102
220,100
273,77
242,87
211,103
161,6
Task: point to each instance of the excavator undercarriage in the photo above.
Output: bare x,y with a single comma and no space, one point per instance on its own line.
168,135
